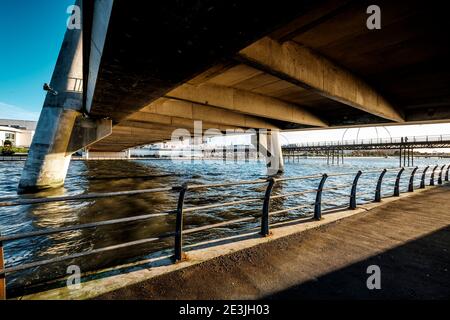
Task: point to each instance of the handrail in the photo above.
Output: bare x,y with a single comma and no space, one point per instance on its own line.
393,140
81,226
219,205
89,196
284,195
181,210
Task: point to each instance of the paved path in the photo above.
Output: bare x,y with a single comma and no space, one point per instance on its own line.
408,239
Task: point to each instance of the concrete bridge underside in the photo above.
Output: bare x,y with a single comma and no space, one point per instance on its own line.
136,73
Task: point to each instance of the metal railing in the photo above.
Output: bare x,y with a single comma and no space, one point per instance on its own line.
371,141
181,210
13,158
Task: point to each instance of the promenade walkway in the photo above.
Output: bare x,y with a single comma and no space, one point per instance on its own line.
409,239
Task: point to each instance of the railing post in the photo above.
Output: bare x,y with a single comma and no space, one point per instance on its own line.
378,189
397,183
266,208
318,204
422,181
411,180
440,175
2,276
446,173
432,176
353,192
178,249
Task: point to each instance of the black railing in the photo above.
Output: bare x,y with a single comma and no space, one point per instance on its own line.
181,210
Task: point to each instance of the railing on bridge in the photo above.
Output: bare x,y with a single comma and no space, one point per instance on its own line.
435,172
394,140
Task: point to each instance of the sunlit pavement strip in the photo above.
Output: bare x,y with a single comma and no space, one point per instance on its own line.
163,264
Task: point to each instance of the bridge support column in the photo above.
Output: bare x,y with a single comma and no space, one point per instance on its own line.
269,144
61,130
274,158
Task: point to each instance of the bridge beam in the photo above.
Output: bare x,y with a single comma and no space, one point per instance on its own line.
171,109
246,102
304,67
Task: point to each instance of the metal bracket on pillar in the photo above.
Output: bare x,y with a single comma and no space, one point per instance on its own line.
178,246
266,208
422,181
2,276
440,174
378,189
411,180
397,183
353,192
432,176
318,204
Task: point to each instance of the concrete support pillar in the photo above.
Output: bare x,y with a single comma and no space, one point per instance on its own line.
274,155
61,129
268,143
47,161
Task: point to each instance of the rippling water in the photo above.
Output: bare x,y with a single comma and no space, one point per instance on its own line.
102,176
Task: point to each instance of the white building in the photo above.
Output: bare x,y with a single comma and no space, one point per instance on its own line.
19,132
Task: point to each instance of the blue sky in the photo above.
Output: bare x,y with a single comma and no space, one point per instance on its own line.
31,34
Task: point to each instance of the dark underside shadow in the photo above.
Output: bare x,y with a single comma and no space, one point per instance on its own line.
419,269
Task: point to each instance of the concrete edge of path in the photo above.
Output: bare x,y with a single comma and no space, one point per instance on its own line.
208,250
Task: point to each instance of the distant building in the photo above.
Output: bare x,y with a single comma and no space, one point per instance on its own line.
19,132
202,150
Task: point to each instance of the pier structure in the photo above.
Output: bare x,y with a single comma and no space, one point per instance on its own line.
276,67
335,150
